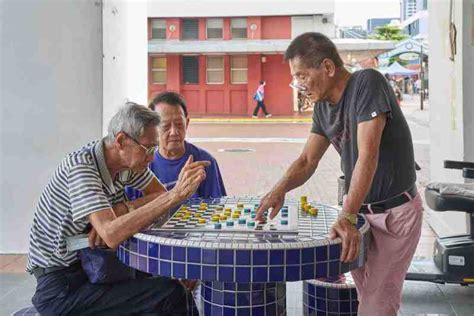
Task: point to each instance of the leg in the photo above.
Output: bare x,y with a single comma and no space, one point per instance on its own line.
262,105
395,237
255,111
71,293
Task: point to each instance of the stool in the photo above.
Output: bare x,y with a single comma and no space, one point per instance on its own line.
330,296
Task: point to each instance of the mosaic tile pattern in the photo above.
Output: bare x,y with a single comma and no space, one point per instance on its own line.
247,299
244,257
330,296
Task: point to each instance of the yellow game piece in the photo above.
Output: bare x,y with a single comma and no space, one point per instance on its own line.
236,215
303,199
179,215
203,207
197,215
215,218
307,207
219,208
237,212
202,221
240,205
227,209
313,211
227,213
223,217
186,216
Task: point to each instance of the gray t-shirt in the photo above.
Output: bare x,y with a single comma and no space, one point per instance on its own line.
366,96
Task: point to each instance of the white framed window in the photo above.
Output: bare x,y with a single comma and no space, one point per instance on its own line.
214,28
158,29
158,70
238,28
238,69
215,70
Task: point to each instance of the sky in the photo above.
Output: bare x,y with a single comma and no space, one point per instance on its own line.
357,12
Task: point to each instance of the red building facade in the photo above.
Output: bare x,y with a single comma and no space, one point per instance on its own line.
217,63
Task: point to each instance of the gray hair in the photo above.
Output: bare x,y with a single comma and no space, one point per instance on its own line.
131,119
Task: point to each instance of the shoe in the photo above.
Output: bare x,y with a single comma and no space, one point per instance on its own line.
268,115
254,116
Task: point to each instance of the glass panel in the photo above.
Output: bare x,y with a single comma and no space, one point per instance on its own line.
214,33
215,23
239,33
215,76
158,29
239,76
239,62
190,29
239,28
158,63
215,62
159,77
238,23
190,69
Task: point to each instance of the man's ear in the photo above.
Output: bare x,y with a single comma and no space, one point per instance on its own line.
120,140
187,123
329,67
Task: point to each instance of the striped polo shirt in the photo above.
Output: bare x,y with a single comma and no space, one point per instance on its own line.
80,186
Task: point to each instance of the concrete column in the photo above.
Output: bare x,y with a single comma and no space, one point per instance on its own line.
451,101
125,48
51,100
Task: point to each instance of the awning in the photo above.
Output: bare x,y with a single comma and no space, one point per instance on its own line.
253,46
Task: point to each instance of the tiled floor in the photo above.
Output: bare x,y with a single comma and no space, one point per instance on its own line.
16,287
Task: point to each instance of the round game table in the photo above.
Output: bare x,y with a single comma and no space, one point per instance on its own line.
244,272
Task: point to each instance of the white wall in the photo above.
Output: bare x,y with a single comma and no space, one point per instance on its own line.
451,102
125,55
51,100
313,23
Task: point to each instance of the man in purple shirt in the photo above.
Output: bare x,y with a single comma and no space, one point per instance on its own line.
174,150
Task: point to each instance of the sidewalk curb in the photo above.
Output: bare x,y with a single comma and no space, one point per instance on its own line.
251,120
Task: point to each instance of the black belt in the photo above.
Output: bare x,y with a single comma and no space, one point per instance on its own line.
382,206
38,272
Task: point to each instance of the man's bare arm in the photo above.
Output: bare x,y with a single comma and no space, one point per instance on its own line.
113,230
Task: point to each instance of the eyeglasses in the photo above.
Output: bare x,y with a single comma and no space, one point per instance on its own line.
148,150
297,86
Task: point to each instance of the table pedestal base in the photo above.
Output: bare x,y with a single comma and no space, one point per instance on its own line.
236,299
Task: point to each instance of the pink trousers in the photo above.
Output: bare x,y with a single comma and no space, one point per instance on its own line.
395,236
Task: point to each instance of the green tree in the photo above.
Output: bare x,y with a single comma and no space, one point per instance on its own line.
389,33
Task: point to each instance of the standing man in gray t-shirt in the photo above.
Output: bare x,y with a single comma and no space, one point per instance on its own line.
358,114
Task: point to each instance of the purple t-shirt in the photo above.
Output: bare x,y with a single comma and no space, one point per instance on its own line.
366,96
167,171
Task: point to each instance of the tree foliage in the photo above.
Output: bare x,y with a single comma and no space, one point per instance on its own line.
389,33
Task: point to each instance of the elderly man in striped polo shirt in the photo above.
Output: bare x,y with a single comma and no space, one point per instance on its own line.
88,189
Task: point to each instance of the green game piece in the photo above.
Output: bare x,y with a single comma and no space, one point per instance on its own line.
251,224
217,226
284,222
242,221
229,223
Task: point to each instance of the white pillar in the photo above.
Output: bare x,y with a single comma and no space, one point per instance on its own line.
125,55
451,101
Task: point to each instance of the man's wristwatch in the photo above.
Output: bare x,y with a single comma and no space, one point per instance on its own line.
351,217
